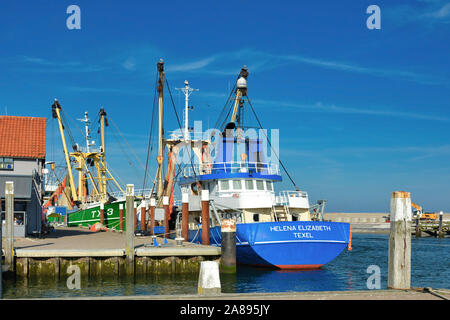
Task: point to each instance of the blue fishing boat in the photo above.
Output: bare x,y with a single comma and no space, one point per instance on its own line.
272,230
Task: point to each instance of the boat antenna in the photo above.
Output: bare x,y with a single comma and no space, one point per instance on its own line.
187,91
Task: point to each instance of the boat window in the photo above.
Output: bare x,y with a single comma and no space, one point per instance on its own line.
259,184
269,185
224,185
249,185
237,185
256,217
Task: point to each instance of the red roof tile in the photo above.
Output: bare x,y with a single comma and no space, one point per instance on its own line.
22,137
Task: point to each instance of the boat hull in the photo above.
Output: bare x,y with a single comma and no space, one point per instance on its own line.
89,216
287,244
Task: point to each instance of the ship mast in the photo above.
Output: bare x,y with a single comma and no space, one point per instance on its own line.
160,157
241,91
187,90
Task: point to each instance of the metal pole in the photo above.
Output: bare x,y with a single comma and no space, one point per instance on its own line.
135,216
228,259
9,217
205,217
185,216
399,261
129,250
166,216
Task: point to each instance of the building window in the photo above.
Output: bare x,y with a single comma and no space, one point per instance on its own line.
237,185
224,185
269,185
6,164
249,185
259,184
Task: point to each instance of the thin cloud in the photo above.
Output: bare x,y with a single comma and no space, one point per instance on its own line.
319,107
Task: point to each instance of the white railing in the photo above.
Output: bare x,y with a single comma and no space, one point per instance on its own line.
283,197
231,167
138,193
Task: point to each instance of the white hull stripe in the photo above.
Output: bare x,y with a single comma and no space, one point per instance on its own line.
289,241
81,221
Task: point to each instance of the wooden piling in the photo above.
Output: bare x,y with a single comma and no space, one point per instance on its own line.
166,216
418,231
228,245
1,251
440,231
143,217
152,215
9,227
399,260
135,216
185,216
102,213
129,249
120,216
205,217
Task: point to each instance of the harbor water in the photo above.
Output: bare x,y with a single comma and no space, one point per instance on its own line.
430,263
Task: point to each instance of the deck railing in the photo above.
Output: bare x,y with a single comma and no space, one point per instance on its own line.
231,167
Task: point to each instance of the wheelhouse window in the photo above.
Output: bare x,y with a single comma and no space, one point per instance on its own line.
249,185
6,164
269,185
237,184
259,185
224,185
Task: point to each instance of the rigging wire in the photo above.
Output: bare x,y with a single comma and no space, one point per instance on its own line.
273,150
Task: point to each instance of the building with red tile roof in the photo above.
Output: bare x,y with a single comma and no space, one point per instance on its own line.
22,137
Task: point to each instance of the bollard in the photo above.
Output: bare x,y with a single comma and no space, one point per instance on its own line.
399,260
209,279
102,213
205,217
9,219
152,215
440,232
185,216
129,209
143,217
120,216
228,246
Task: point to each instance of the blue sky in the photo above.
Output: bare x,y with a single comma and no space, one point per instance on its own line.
361,112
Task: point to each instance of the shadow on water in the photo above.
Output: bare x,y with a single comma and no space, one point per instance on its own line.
430,268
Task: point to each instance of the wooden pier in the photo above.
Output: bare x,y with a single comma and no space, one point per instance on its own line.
103,254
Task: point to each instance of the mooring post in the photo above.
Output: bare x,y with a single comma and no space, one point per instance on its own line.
102,213
228,246
152,215
440,232
399,260
209,278
185,216
166,216
143,217
205,217
120,216
9,217
418,232
129,212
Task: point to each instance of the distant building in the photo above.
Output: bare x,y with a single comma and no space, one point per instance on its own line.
22,158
